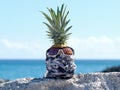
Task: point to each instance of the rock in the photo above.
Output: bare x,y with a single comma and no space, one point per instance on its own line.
3,80
93,81
112,69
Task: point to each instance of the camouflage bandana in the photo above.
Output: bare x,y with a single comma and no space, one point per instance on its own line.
59,64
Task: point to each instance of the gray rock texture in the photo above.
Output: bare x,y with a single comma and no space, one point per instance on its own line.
3,81
92,81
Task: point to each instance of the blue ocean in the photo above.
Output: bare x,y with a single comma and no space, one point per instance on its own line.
13,69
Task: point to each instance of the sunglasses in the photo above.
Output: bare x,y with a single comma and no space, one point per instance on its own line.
65,50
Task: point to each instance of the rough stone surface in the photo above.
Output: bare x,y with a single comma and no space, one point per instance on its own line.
93,81
3,81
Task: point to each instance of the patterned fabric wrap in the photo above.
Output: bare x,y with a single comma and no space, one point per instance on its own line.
60,63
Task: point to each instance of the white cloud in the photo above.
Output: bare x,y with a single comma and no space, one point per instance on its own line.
117,39
20,45
37,46
96,47
21,49
6,43
85,48
10,44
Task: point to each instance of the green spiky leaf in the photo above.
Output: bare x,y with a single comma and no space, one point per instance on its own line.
58,24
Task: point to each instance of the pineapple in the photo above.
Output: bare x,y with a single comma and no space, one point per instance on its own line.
59,60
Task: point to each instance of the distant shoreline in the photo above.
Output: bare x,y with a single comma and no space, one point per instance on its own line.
75,59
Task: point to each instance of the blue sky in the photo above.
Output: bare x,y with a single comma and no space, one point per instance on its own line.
95,31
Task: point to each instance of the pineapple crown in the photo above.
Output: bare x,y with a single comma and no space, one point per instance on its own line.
58,25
